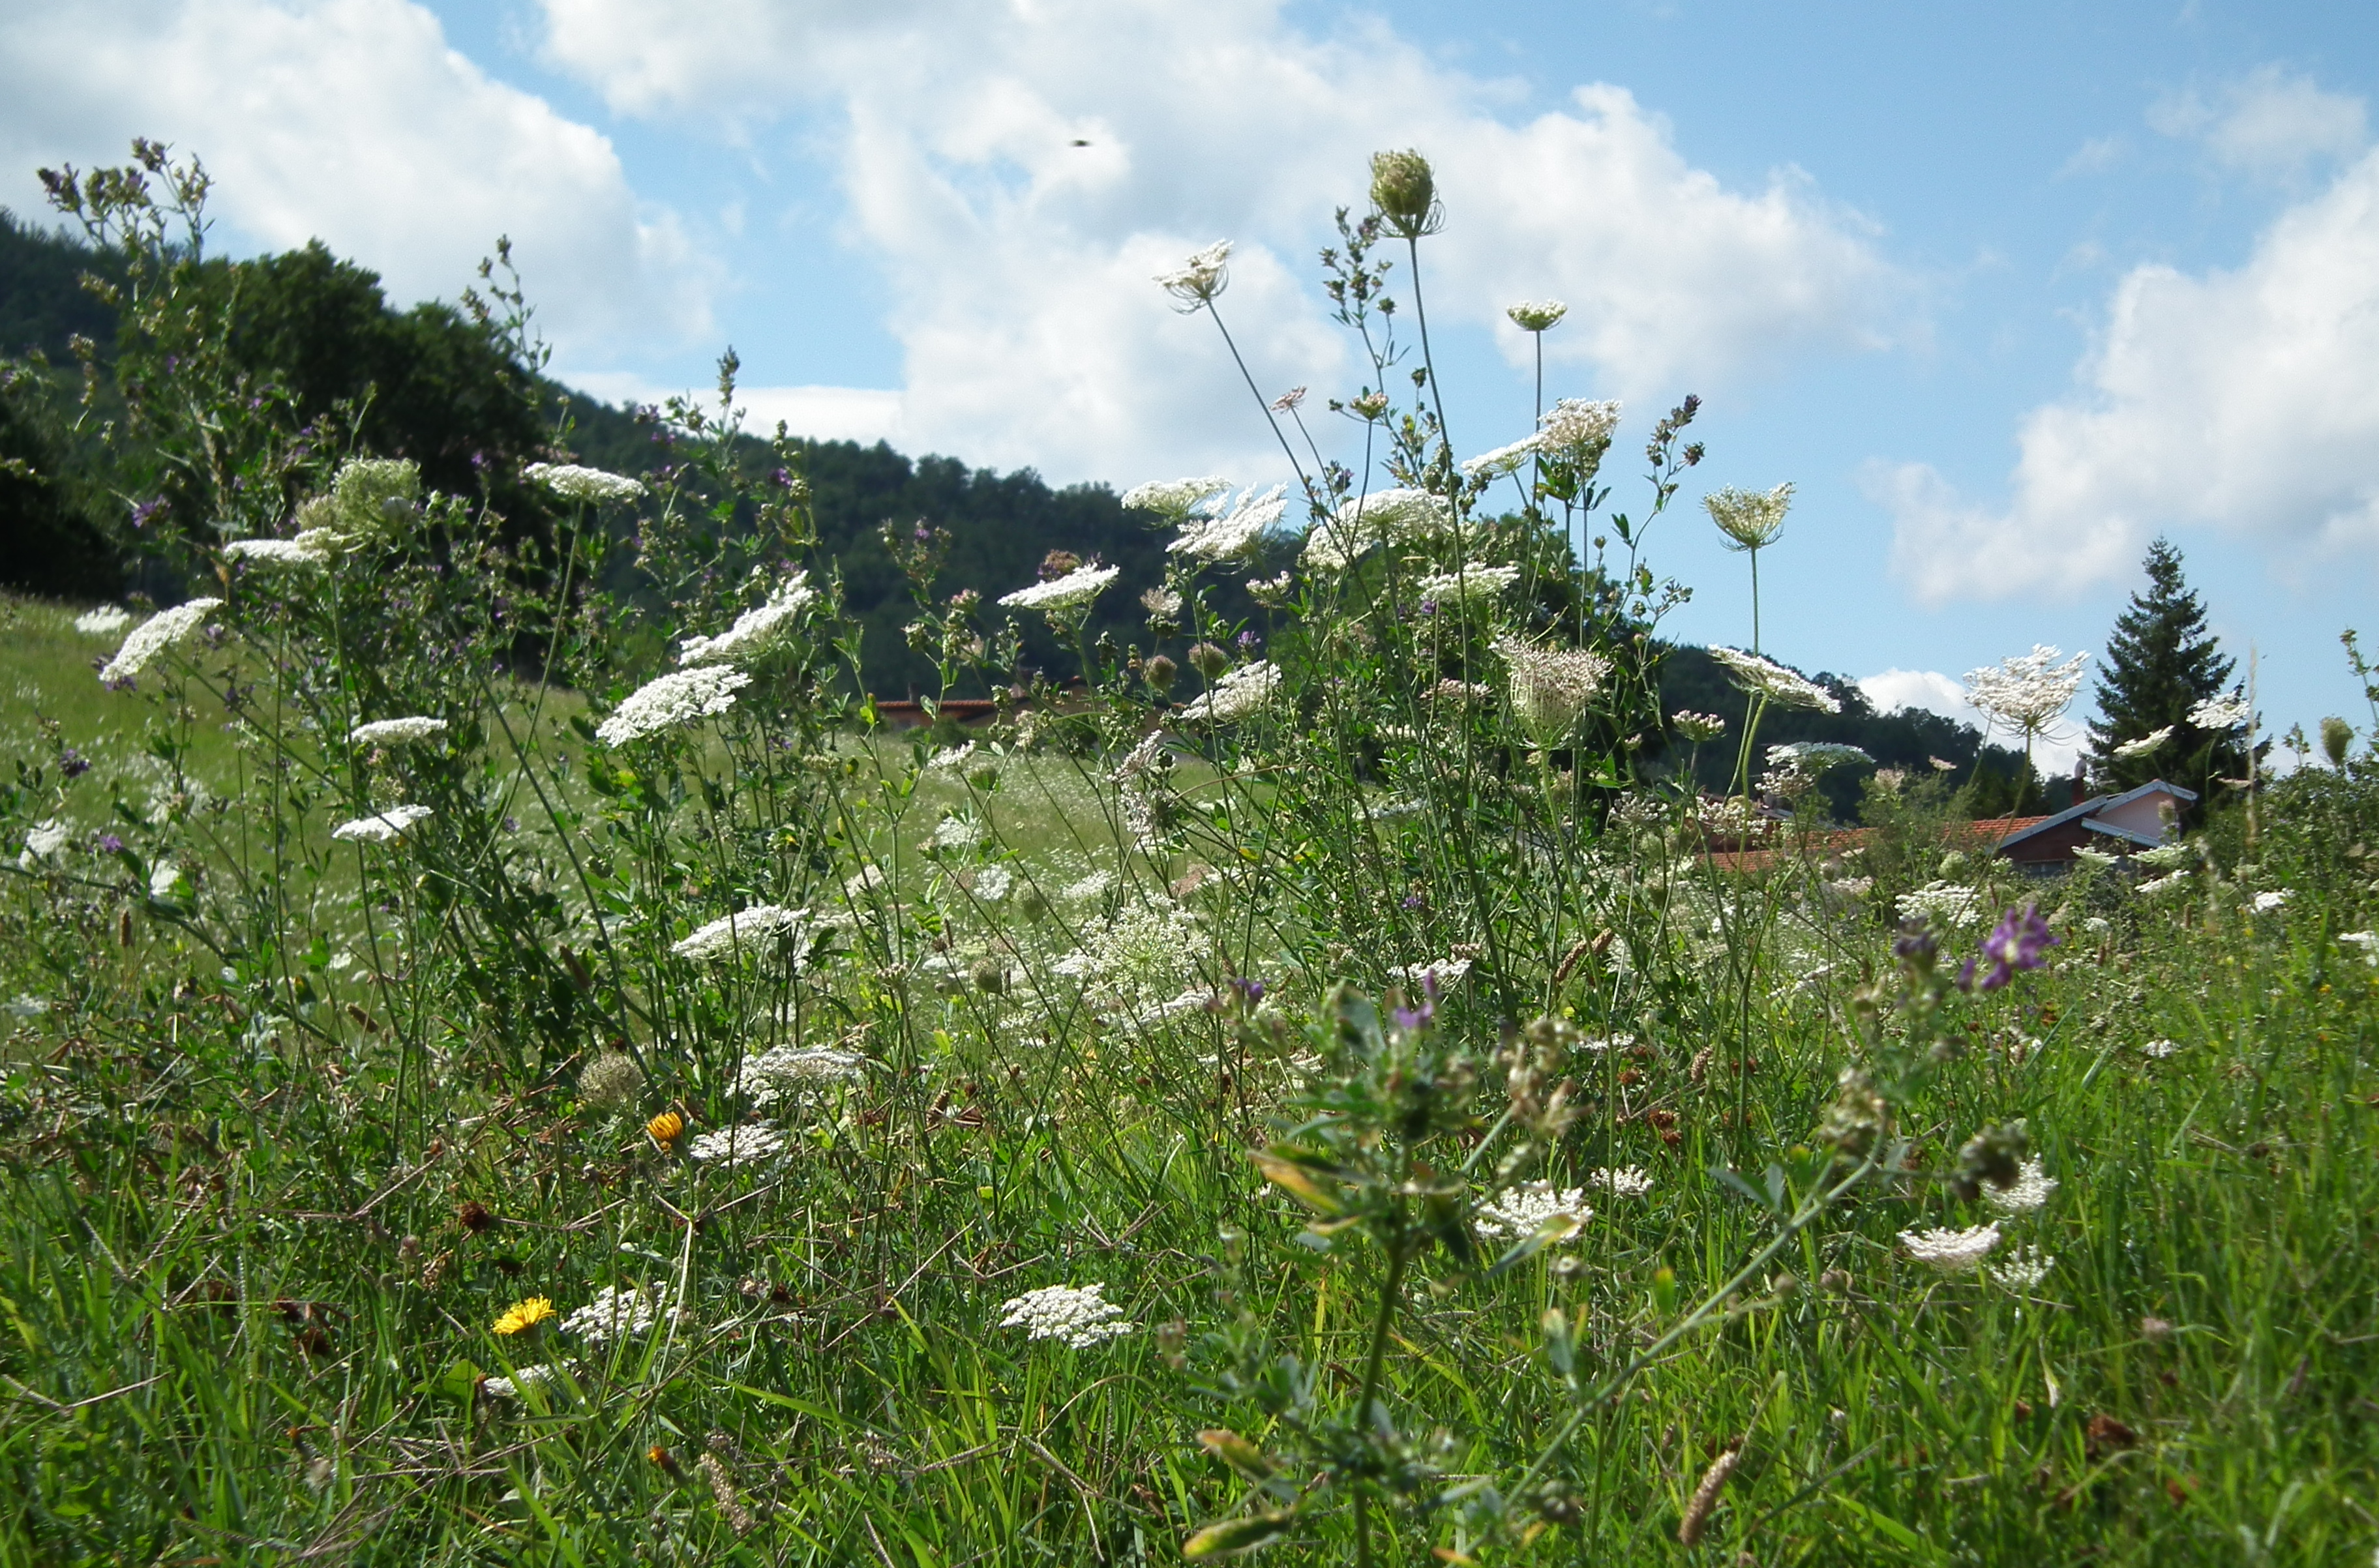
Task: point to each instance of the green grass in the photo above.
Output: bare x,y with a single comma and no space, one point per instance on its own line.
278,1157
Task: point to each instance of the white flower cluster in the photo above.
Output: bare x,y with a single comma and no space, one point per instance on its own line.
1814,757
1200,278
1549,687
755,632
1536,315
672,700
2158,1050
2162,884
1078,1314
1448,972
1172,498
1628,1181
1072,591
154,635
392,824
396,732
1535,1206
43,843
1503,460
1952,1251
1749,519
1578,430
1238,694
2132,751
1384,516
105,622
2368,941
744,931
1136,958
299,551
535,1376
955,833
2264,903
1763,678
1229,536
1943,903
745,1143
2219,713
617,1312
1468,585
2027,691
2023,1270
767,1078
2030,1191
1096,886
573,482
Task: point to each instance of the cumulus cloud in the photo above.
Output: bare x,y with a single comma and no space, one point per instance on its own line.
1019,171
2052,753
2269,122
353,121
2238,400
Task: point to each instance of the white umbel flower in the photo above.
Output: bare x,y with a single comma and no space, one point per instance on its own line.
1549,687
1072,591
767,1078
755,632
1523,1210
1470,585
1079,1315
617,1312
2132,751
1943,903
43,843
672,700
279,552
744,931
1761,677
572,481
2026,691
1952,1251
741,1144
1749,519
1578,430
105,622
1536,315
2030,1189
1504,459
2024,1268
1627,1181
535,1376
1238,694
1172,498
388,825
154,635
1232,534
2220,713
1197,281
2264,903
396,732
2162,884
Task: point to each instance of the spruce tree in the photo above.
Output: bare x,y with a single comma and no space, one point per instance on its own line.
2161,662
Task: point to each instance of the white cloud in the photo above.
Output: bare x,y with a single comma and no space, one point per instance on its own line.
2241,400
1018,262
2269,122
2052,753
353,121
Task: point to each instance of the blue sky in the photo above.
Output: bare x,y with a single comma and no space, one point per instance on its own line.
2004,290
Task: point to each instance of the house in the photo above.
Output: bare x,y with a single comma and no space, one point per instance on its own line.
2115,825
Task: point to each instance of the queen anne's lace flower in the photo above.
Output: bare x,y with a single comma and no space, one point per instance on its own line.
1549,687
1467,585
672,700
1197,281
279,552
1536,315
617,1312
1523,1210
2219,713
2158,1050
1384,516
1078,1314
1172,498
1072,591
2264,903
2132,751
154,635
782,1069
1090,887
1504,459
573,482
744,931
1239,692
1234,534
392,824
755,632
1628,1181
2027,691
1447,972
1579,430
105,622
745,1143
43,843
2023,1270
1814,757
2030,1189
2162,885
1952,1251
1760,677
1943,903
395,731
1749,519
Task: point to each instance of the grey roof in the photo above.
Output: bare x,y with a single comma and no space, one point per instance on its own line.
2091,807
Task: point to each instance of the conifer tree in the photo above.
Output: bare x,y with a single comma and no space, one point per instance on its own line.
2161,663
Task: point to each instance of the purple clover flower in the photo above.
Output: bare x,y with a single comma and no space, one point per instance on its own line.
1413,1019
2019,941
72,763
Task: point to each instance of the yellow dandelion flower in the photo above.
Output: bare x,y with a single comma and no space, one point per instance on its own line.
523,1315
663,1128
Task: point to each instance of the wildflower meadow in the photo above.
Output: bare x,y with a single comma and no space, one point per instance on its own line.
513,1053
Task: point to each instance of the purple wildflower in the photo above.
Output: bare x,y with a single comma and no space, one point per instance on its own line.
2019,941
1411,1019
72,763
109,844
